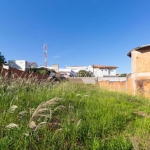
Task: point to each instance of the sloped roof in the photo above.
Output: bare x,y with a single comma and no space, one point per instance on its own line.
138,48
76,66
104,67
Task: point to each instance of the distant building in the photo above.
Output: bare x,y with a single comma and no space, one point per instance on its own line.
102,71
95,70
75,69
21,64
65,72
33,65
55,67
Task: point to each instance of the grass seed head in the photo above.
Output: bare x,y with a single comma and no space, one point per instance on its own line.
12,125
22,113
12,108
40,125
32,125
59,107
78,123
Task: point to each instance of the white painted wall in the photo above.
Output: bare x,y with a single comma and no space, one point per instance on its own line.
112,72
33,64
19,64
102,72
5,66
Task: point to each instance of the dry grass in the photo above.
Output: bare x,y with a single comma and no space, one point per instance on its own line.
85,117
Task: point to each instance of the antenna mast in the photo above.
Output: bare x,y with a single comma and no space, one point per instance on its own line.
45,55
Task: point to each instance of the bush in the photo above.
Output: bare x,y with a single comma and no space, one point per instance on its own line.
84,73
42,71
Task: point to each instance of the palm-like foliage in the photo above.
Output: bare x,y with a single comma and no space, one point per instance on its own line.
2,59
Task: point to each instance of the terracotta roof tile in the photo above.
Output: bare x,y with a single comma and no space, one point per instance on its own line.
104,67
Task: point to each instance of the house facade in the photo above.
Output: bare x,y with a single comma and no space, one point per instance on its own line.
21,64
33,64
140,60
102,71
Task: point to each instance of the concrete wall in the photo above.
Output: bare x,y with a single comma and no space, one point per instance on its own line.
85,80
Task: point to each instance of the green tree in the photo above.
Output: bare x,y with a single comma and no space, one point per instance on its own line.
84,73
123,75
42,71
2,59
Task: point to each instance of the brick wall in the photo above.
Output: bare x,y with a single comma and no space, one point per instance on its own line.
114,85
4,72
15,73
140,60
140,86
143,87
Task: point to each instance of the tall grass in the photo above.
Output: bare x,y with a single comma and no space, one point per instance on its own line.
70,116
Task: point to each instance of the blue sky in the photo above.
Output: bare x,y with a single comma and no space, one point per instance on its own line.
77,32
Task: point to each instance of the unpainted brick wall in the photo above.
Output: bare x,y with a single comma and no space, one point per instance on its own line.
130,85
141,87
15,73
141,60
114,86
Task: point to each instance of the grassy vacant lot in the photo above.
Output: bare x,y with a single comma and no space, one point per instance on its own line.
70,116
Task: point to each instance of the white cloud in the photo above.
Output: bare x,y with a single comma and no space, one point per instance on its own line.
57,56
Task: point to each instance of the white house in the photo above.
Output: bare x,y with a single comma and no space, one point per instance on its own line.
96,70
21,64
102,71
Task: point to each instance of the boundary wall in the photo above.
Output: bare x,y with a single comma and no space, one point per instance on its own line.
132,85
15,73
85,80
